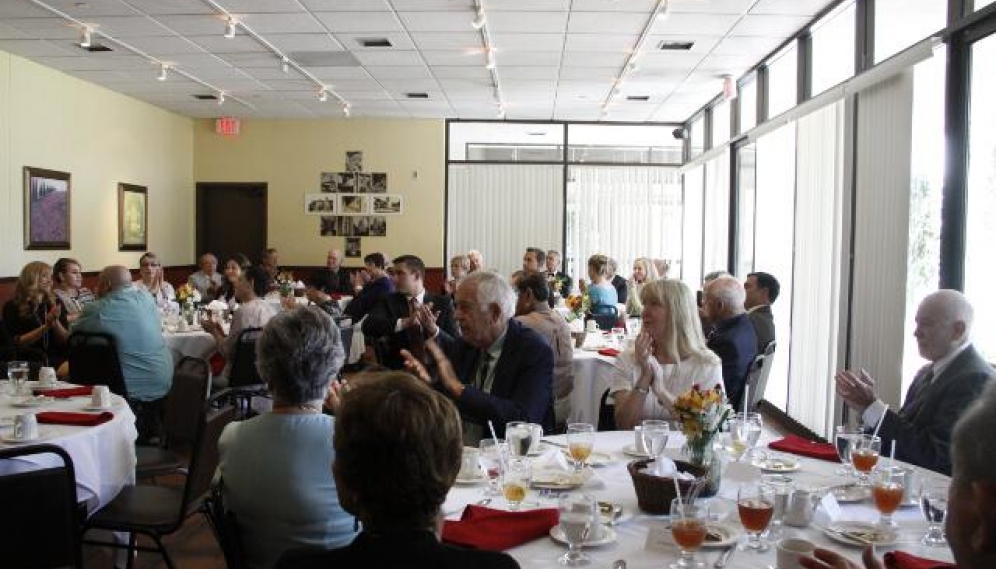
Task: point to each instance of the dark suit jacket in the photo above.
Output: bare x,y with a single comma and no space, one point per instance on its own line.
365,300
415,549
622,290
383,318
735,342
764,326
922,428
334,282
523,380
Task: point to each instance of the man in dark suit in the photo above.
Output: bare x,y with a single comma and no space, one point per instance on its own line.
408,317
554,274
617,281
498,370
371,285
941,390
335,278
761,291
732,337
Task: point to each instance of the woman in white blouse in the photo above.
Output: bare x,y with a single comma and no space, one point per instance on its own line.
670,356
151,271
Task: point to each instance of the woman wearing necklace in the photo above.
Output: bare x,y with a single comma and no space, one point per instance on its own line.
69,290
276,468
33,318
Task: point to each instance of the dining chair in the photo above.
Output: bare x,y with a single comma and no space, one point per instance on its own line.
41,518
225,526
244,381
757,376
604,316
93,360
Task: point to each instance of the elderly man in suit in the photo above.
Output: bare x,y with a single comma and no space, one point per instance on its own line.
334,279
732,337
941,390
499,370
408,317
761,292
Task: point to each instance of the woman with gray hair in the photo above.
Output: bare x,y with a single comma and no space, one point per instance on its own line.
276,468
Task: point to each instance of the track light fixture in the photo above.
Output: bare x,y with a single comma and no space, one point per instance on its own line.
221,98
85,39
163,71
285,65
345,110
230,28
323,96
478,22
491,59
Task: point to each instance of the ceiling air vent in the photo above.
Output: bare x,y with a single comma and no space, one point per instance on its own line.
96,47
206,97
638,98
417,95
675,45
375,42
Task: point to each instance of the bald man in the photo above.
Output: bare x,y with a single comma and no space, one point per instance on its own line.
941,390
732,337
335,278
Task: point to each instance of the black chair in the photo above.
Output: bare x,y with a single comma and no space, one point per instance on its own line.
40,525
225,526
244,381
604,316
186,398
157,511
93,360
757,376
606,413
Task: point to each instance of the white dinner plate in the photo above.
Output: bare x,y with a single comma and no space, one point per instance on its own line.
850,494
777,464
50,386
480,477
559,480
31,402
717,535
630,450
859,534
606,536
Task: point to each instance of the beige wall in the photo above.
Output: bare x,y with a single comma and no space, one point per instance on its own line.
51,120
289,155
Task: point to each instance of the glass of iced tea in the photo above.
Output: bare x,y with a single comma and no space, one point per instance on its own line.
493,453
515,481
755,504
887,491
688,529
864,454
580,439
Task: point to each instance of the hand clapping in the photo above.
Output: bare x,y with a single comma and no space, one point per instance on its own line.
857,389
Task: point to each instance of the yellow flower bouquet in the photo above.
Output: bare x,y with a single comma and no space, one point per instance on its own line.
702,414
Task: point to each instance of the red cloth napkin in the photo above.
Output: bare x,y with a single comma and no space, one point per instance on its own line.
67,392
611,352
497,530
900,560
75,419
802,447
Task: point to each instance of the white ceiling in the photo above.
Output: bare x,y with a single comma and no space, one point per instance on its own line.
556,59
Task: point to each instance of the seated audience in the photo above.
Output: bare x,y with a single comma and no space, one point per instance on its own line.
409,316
669,357
554,274
33,317
152,281
600,291
207,280
732,337
617,281
498,370
68,287
131,317
269,260
761,290
533,310
276,468
334,279
970,523
397,453
459,268
253,312
534,260
476,260
644,271
235,266
941,390
373,285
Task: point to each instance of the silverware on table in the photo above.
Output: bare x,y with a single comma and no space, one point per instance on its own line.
724,557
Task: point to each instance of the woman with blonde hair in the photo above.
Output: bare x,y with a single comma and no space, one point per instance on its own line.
669,357
600,291
151,271
33,318
644,271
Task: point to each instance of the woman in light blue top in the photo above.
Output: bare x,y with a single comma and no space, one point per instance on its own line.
600,291
277,468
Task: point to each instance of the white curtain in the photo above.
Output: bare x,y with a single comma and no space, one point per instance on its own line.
624,212
501,209
691,257
715,239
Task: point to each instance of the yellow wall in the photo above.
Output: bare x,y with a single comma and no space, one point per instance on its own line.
289,155
51,120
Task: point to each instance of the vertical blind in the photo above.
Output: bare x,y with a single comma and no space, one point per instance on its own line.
715,240
691,266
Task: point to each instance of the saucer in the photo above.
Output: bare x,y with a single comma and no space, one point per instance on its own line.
717,535
608,535
777,464
859,534
30,402
11,439
480,477
558,480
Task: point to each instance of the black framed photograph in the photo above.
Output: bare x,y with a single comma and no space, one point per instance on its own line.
354,161
338,182
364,182
46,209
353,247
352,204
133,217
378,183
387,204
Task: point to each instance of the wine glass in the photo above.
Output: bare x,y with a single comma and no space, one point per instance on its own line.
17,373
844,436
520,437
780,487
887,491
517,475
934,505
654,434
578,520
688,529
755,504
493,453
746,430
864,455
580,439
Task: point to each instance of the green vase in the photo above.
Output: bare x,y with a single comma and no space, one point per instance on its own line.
701,453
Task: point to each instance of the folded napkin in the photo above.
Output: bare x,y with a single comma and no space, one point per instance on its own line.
900,560
75,419
802,447
498,530
611,352
67,392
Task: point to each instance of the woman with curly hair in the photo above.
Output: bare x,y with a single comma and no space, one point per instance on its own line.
33,318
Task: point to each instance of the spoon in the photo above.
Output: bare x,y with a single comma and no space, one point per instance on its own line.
484,502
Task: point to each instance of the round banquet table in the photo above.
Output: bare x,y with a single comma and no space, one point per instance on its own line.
591,370
612,482
103,456
196,343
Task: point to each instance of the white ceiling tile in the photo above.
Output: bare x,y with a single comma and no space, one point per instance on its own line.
615,43
511,22
389,58
340,73
593,59
476,96
529,5
644,6
197,25
589,74
454,58
759,46
291,84
219,44
695,24
87,63
528,73
465,84
195,61
769,26
22,10
447,40
411,85
248,59
790,7
670,60
528,42
36,48
271,73
711,6
700,43
44,28
461,72
241,7
372,95
163,45
525,58
161,7
605,23
9,33
304,42
432,5
86,11
727,64
284,23
423,21
352,22
392,72
354,41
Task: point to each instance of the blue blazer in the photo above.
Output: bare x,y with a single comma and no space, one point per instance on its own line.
735,342
523,382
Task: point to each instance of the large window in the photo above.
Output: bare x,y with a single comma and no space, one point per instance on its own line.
902,23
833,48
720,123
506,142
783,88
748,103
715,240
746,184
691,266
622,144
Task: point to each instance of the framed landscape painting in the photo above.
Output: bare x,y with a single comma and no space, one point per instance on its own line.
133,216
46,209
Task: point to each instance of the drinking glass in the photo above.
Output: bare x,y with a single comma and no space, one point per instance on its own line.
746,430
844,440
934,505
887,491
17,373
493,453
864,455
580,439
578,519
655,434
780,487
688,529
520,437
619,335
755,504
731,444
516,477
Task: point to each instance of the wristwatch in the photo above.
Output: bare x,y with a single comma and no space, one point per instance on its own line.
643,390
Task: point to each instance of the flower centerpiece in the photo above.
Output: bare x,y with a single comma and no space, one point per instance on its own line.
579,304
188,297
285,283
702,414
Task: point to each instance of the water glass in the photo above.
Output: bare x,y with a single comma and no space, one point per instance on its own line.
580,440
520,437
746,430
887,492
755,505
493,453
515,480
934,505
578,521
17,373
655,434
688,529
780,487
844,437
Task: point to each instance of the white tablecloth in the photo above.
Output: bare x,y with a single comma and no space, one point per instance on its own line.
103,456
195,343
590,373
613,483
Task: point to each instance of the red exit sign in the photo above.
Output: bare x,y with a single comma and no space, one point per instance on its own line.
227,126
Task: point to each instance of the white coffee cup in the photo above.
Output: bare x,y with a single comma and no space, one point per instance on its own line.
469,464
537,435
638,440
100,396
790,550
591,326
46,376
26,427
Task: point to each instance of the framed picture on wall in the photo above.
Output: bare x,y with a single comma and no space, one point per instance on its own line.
387,204
319,204
46,209
352,204
353,247
133,217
